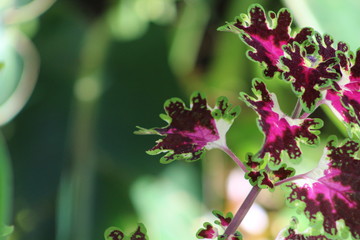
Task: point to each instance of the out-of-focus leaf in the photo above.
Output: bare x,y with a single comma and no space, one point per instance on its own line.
6,231
114,233
11,65
130,19
5,188
168,205
291,233
188,35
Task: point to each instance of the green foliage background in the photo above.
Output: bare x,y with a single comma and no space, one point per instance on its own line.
107,66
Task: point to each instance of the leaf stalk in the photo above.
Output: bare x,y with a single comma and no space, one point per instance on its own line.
235,158
242,211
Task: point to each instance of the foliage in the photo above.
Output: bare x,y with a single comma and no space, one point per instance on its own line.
319,72
114,233
212,232
191,131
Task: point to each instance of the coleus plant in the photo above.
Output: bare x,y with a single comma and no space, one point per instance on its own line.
114,233
320,72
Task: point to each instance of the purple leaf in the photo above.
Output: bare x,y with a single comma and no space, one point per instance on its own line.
334,189
282,173
192,130
223,221
282,133
208,232
236,236
258,174
344,98
265,181
211,232
326,48
308,73
267,38
255,169
343,95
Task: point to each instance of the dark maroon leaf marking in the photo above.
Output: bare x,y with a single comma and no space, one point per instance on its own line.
282,133
139,234
207,232
211,232
223,221
307,74
264,177
191,130
116,235
336,193
265,37
326,48
344,97
292,235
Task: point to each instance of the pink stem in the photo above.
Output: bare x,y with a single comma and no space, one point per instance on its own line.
297,109
242,211
235,158
300,176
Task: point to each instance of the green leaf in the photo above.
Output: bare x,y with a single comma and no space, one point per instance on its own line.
6,184
6,231
114,233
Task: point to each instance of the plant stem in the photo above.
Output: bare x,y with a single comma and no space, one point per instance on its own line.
235,158
241,213
297,110
6,185
76,196
300,176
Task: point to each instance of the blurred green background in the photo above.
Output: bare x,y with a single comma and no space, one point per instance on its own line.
70,165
